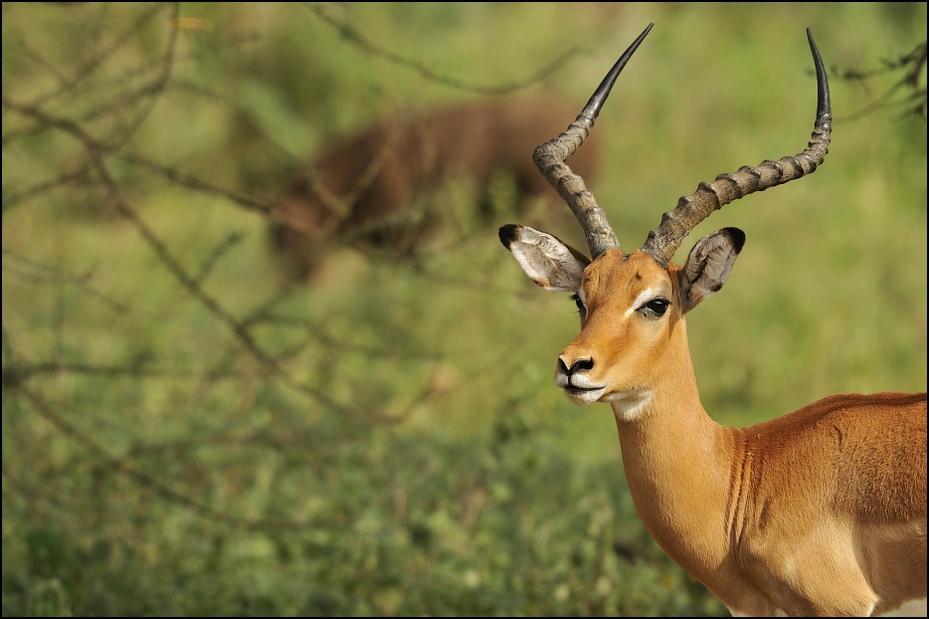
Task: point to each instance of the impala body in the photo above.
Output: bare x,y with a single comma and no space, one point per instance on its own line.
820,512
368,189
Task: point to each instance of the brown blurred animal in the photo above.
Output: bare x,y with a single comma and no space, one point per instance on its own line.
369,190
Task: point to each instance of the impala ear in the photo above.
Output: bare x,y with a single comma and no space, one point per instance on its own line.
547,261
708,266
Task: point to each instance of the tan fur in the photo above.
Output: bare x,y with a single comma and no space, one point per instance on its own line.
364,190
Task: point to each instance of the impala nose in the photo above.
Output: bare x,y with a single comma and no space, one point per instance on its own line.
579,365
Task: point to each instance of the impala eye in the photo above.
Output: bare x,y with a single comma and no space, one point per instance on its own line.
579,304
657,306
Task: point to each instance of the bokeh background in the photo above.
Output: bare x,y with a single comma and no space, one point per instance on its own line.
185,433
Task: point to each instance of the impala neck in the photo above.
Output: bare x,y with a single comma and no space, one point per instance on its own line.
679,462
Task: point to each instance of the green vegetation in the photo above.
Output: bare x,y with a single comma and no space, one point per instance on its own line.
182,434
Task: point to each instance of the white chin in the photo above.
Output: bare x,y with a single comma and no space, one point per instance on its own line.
629,405
583,398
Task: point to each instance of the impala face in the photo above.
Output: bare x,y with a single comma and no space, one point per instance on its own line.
631,307
626,318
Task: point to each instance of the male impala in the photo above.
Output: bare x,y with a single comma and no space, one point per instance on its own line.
819,512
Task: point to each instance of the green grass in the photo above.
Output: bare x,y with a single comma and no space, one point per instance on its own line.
388,441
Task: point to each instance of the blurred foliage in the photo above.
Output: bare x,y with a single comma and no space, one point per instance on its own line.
184,434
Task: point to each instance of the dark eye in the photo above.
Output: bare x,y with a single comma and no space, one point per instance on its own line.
579,304
657,306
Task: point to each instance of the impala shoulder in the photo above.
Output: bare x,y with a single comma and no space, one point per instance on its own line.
873,444
876,447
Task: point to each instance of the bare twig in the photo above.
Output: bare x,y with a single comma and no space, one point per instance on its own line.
157,486
911,66
96,152
353,36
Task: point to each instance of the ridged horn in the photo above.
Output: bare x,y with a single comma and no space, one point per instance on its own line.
663,241
551,156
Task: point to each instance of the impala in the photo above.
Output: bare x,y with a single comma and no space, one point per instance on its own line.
819,512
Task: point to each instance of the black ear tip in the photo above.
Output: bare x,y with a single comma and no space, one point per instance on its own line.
508,234
737,236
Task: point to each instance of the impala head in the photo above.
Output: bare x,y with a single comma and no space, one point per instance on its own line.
632,305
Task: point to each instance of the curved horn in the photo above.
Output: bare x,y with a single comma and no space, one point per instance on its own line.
551,156
691,210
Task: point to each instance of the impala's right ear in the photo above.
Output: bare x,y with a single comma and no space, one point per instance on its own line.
547,261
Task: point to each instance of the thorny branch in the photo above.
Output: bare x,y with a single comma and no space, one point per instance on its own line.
353,36
907,94
96,151
149,481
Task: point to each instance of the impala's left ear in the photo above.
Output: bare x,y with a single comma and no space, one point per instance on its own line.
547,261
708,266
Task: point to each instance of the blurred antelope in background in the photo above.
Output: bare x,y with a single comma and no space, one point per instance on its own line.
819,512
366,190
